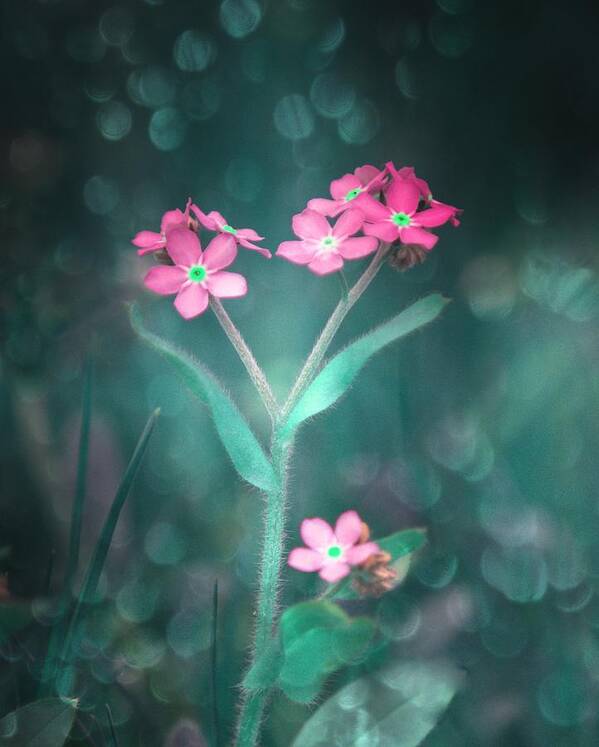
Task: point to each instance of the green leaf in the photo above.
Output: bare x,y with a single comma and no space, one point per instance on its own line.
338,374
265,670
399,706
242,446
318,638
401,546
44,723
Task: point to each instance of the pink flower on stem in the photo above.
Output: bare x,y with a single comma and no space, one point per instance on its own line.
351,191
245,237
152,241
197,275
409,174
323,248
331,552
398,219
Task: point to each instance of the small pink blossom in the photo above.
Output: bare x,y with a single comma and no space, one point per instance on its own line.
351,191
245,237
323,248
152,241
399,219
331,552
408,173
197,275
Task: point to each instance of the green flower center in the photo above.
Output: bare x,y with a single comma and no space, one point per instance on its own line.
328,242
197,273
401,219
334,551
352,194
229,229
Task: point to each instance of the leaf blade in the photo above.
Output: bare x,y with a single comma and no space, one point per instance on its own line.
241,444
38,724
338,374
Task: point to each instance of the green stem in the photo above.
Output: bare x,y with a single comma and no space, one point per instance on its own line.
271,563
247,358
326,336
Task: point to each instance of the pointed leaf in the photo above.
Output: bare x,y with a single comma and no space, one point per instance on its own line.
338,374
245,451
39,724
399,706
265,670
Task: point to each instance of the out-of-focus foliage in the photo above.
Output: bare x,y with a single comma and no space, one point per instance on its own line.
482,428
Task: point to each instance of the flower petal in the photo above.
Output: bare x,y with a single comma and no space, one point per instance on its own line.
358,247
317,533
403,196
385,230
418,236
226,284
192,300
305,560
326,263
348,223
310,225
434,216
373,210
348,528
334,572
249,245
340,187
204,219
173,219
165,279
149,241
326,207
358,554
407,172
248,233
220,252
299,252
368,173
184,247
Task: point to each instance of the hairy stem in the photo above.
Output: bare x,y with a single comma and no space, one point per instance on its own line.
326,336
247,358
271,562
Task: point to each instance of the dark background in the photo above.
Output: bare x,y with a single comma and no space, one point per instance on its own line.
482,428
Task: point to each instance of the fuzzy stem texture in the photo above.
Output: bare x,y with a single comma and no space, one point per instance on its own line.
271,561
247,358
326,336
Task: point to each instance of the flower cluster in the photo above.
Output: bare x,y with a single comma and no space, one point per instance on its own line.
187,271
389,205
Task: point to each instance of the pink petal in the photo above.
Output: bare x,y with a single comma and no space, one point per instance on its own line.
326,263
348,528
306,560
326,207
220,252
407,172
402,196
358,554
149,241
192,300
358,247
248,233
217,219
172,219
226,284
299,252
317,533
385,230
249,245
340,187
204,219
374,210
310,225
334,572
435,216
184,247
348,223
367,173
165,279
418,236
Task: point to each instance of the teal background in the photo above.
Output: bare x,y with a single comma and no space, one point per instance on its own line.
481,428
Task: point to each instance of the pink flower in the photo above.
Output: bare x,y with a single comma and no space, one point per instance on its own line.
243,236
323,248
196,275
351,190
331,553
398,219
408,173
151,241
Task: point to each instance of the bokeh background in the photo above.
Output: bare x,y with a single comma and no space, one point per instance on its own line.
483,427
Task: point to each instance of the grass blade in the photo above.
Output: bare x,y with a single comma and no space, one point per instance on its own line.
213,665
